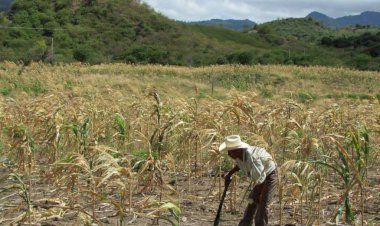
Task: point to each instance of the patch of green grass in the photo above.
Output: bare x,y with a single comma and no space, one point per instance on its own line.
334,96
279,81
266,93
68,85
360,96
305,97
201,95
1,146
5,91
364,96
309,77
352,96
37,87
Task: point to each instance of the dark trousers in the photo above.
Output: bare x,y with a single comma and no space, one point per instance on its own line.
259,200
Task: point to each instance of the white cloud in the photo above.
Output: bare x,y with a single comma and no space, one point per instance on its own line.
258,10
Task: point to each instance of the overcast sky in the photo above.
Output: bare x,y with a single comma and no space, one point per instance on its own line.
258,11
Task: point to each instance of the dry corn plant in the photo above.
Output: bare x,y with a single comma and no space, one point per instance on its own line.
303,182
301,140
96,177
151,169
81,125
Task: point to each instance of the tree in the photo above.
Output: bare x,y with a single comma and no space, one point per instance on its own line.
327,41
375,51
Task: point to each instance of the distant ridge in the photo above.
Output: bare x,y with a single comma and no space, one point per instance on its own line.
237,25
365,18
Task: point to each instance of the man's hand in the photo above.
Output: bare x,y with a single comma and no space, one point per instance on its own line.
227,178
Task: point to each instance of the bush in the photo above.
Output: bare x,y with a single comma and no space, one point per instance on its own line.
361,61
145,54
271,58
264,29
375,51
327,41
222,60
240,58
82,54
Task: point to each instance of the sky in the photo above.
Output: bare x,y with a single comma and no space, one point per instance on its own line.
259,11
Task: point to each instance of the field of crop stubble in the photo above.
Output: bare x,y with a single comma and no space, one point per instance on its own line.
135,145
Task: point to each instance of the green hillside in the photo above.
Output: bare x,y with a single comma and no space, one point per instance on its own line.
356,47
305,29
102,31
96,31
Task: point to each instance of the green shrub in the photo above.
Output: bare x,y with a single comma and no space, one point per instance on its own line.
240,58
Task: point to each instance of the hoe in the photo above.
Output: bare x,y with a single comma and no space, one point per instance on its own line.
217,218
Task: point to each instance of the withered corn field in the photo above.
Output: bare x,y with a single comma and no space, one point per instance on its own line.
138,145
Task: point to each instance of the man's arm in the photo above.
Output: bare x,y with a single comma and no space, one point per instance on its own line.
229,174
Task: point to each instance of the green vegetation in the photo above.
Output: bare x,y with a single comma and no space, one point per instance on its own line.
238,25
364,47
131,32
305,29
94,32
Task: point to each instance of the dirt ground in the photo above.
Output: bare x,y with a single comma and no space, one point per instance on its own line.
199,205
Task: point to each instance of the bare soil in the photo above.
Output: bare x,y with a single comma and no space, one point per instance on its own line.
198,203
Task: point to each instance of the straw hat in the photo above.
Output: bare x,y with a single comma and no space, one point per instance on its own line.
232,142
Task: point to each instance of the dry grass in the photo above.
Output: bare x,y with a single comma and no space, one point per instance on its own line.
101,136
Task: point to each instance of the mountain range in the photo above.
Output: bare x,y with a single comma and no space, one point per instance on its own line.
365,18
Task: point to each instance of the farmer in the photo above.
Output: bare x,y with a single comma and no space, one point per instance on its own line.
258,165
